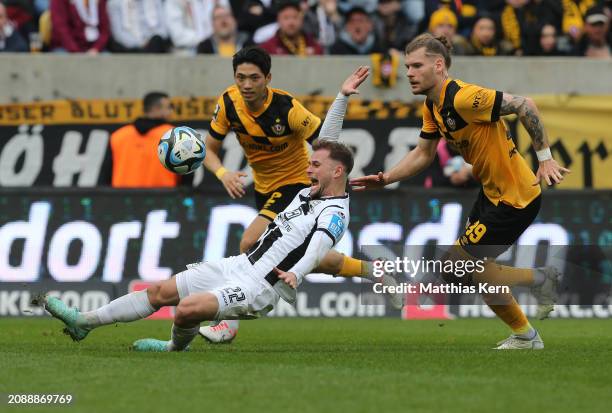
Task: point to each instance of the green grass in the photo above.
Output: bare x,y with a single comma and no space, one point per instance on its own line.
315,365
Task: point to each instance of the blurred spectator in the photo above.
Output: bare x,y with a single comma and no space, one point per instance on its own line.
414,10
358,36
10,39
22,16
520,21
137,26
290,38
41,6
189,22
484,40
329,22
79,26
392,26
253,14
466,12
547,46
443,22
226,39
134,147
368,5
595,42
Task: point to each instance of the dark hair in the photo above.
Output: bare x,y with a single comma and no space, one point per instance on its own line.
355,10
337,151
152,99
283,4
433,45
254,55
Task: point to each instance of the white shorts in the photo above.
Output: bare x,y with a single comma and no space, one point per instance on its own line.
240,295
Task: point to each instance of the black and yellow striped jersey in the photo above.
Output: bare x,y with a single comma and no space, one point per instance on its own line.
274,138
469,118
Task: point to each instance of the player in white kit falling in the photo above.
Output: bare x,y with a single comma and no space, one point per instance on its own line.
248,285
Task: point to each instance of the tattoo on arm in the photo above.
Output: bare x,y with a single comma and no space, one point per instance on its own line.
528,116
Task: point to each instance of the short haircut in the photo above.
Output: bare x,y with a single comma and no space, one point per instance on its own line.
152,99
283,4
337,151
440,46
254,55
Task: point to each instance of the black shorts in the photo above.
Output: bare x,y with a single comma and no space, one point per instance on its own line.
272,203
491,230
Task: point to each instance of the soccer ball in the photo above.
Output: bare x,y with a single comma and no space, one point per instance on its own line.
181,150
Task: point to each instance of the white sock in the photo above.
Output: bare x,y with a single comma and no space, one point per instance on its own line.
529,335
130,307
181,337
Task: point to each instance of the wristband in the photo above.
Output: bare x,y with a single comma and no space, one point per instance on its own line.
544,155
220,172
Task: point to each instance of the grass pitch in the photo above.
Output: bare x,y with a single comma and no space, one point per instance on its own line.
314,365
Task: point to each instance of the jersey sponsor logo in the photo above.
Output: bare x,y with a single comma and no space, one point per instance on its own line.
477,100
263,148
285,217
336,226
307,121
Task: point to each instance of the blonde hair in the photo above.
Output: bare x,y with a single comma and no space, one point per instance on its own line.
433,45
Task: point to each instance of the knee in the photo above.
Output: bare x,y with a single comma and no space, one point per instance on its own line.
246,243
155,296
184,314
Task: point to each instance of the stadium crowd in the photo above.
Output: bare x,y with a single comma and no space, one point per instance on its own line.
306,27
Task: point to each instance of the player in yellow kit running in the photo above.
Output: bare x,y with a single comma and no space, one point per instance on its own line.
468,117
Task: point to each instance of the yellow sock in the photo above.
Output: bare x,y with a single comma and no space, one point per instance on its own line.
352,267
509,313
496,274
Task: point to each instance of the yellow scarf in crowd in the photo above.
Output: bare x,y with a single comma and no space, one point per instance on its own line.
298,49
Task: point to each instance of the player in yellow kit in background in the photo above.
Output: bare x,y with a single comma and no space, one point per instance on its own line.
468,117
273,128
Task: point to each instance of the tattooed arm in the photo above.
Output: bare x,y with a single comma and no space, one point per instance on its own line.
528,114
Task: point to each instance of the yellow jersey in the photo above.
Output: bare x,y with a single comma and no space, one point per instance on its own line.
468,118
274,138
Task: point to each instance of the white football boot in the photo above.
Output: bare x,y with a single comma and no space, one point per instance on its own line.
515,342
220,332
546,293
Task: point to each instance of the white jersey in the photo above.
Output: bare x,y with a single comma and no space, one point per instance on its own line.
285,243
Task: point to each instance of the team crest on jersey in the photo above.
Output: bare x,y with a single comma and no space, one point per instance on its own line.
312,205
278,129
450,122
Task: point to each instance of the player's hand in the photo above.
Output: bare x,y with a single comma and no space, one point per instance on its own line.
234,183
551,172
369,182
350,85
288,278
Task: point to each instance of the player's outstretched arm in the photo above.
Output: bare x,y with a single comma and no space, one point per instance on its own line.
528,114
335,115
232,181
414,162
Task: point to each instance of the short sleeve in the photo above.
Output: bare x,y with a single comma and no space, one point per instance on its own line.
303,123
430,128
478,104
219,125
333,221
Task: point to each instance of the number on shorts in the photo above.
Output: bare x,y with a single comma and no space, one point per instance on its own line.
476,231
232,294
